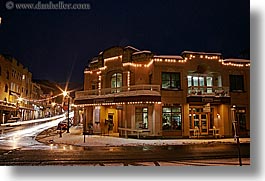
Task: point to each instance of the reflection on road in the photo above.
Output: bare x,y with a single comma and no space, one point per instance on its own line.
24,136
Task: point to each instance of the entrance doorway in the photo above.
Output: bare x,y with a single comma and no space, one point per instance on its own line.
200,121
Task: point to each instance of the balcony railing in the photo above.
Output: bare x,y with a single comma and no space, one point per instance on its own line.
133,90
208,91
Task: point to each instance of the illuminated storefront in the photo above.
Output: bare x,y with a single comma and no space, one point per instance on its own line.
136,93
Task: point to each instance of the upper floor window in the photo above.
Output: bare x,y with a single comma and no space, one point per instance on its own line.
7,74
116,82
6,88
236,83
170,80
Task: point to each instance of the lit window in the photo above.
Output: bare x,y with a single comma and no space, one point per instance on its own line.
23,76
116,82
141,118
171,117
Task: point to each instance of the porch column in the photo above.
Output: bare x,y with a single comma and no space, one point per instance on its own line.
125,124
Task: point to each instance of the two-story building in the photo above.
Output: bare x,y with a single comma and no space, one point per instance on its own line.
133,92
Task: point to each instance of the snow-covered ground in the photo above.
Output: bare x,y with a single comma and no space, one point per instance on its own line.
75,137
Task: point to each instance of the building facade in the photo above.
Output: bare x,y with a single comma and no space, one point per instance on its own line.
15,83
138,93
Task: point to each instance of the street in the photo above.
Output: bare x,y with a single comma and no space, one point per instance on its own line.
70,155
19,147
22,134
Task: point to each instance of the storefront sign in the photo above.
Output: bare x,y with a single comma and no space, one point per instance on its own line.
207,108
119,107
207,99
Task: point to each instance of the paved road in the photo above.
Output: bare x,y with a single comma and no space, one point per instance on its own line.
22,134
69,155
19,147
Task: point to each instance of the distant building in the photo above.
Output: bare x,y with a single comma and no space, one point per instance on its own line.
139,93
15,83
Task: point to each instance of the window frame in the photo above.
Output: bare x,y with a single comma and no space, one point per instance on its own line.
236,83
174,78
6,88
172,114
142,113
115,76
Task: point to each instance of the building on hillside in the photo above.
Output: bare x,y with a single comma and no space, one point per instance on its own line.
139,93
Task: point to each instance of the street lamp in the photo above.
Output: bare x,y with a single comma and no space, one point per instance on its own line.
236,136
65,93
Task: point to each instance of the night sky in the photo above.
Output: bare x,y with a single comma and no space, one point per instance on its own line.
54,43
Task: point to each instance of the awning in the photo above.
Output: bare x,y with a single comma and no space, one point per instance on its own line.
142,98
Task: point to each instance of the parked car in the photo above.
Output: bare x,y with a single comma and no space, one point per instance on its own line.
64,124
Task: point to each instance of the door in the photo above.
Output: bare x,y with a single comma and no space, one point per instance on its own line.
204,124
199,121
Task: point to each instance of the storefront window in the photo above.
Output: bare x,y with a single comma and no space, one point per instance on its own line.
141,118
171,118
241,118
116,82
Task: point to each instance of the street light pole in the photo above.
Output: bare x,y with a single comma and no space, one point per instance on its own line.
235,125
65,93
68,119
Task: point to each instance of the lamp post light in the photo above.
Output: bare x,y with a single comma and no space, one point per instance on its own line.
65,93
236,136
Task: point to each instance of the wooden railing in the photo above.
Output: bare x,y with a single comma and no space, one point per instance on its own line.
130,90
208,91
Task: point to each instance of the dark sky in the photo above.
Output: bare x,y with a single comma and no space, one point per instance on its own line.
52,42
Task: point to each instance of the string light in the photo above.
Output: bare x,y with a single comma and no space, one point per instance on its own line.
113,58
128,80
119,103
167,60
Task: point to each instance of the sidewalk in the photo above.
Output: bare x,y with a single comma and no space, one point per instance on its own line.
75,137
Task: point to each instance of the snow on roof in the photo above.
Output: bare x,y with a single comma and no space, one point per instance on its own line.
94,60
144,51
236,60
169,56
133,48
202,53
